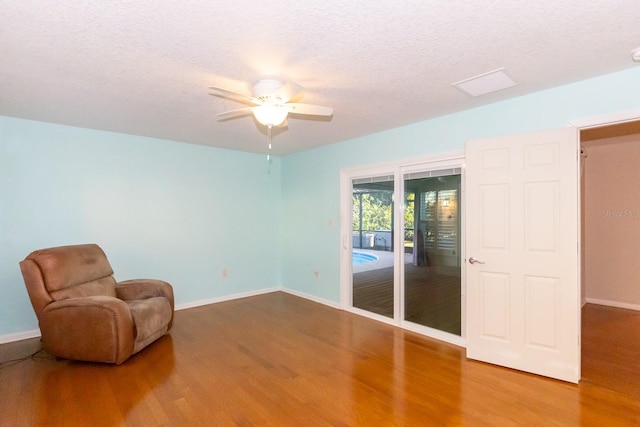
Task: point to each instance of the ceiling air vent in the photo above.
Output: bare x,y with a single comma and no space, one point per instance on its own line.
485,83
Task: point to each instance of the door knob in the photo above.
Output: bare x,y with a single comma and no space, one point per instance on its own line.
472,260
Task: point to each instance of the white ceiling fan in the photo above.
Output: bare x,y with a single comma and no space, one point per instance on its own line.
270,103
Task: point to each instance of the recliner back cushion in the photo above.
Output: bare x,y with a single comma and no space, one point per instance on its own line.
102,287
75,271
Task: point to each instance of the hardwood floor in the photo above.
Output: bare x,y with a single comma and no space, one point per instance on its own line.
277,359
611,348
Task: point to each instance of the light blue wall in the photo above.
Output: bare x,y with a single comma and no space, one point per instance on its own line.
161,209
311,192
183,212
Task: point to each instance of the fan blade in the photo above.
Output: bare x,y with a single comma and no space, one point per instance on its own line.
234,113
225,93
287,91
309,109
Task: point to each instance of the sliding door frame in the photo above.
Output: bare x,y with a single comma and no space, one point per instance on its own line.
452,160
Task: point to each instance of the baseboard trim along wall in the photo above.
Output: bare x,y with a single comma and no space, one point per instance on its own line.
311,297
616,304
19,336
208,301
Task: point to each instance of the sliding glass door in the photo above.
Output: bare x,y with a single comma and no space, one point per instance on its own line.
432,279
405,232
373,248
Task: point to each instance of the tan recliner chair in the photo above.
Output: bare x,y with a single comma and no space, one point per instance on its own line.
84,314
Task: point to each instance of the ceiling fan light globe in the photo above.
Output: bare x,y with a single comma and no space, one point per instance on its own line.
270,115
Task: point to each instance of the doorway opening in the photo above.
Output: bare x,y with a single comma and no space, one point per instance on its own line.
610,213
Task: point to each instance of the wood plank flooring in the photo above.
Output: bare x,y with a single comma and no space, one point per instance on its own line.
279,360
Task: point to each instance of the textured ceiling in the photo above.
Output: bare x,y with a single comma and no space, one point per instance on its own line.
143,66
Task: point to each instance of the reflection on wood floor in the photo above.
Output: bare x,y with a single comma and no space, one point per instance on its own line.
280,360
432,297
611,348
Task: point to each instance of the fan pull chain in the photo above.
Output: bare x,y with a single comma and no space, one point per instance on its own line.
269,141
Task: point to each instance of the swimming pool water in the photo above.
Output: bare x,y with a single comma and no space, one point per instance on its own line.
361,258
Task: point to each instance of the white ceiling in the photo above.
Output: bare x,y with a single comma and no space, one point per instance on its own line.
143,66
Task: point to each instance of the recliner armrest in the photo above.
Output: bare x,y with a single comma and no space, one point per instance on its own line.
94,328
145,288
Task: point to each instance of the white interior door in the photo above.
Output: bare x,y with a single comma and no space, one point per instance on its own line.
522,222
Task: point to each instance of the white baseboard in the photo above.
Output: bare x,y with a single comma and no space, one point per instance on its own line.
19,336
208,301
311,297
254,293
616,304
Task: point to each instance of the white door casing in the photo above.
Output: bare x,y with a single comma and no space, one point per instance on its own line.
522,223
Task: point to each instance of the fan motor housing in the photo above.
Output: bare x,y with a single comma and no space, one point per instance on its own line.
263,89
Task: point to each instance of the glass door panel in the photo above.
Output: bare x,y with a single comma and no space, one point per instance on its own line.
373,252
432,275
